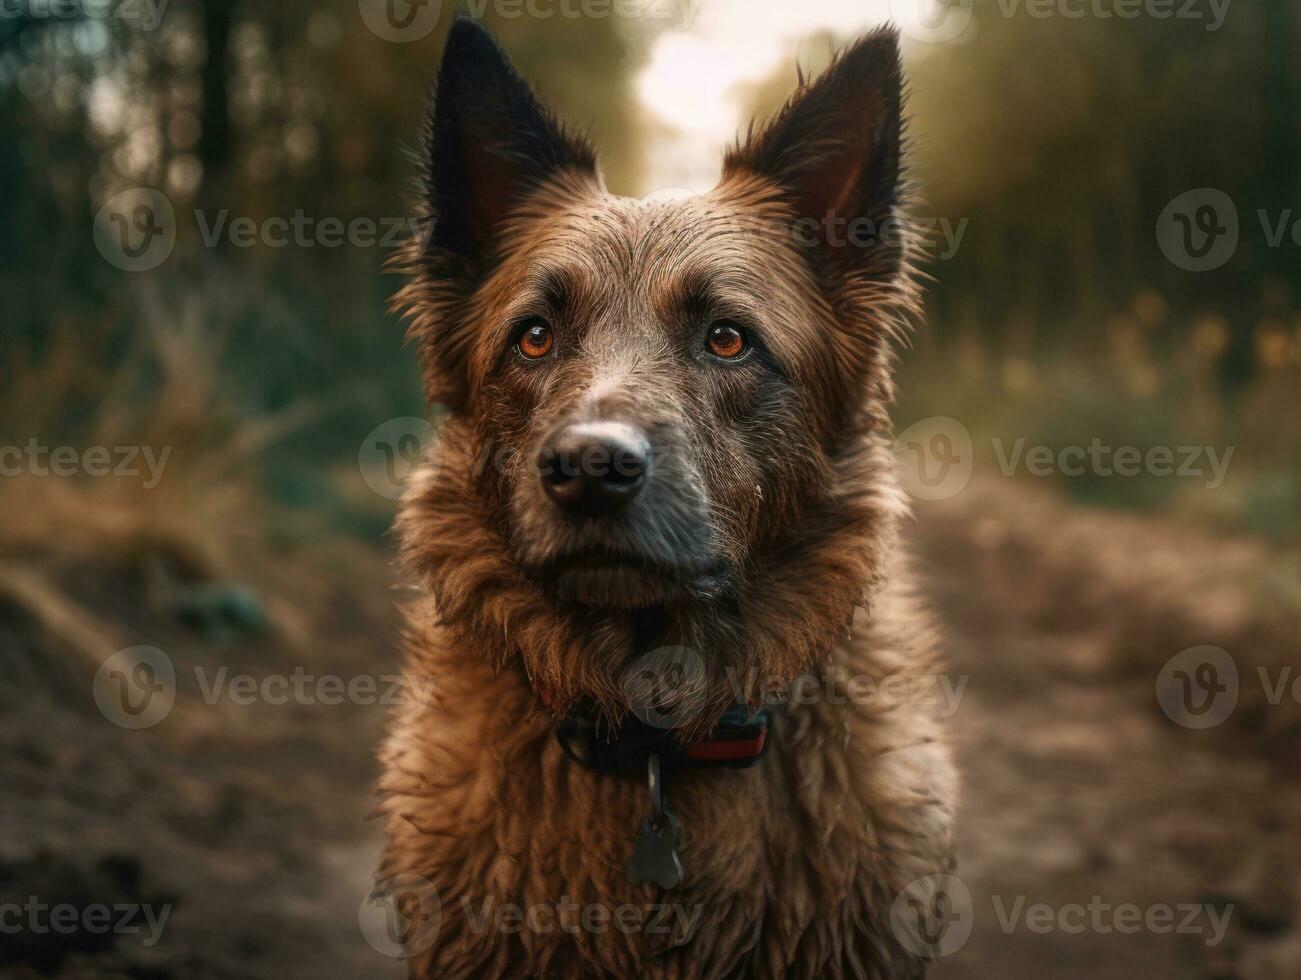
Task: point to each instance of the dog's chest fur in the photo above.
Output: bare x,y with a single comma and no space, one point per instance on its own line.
791,866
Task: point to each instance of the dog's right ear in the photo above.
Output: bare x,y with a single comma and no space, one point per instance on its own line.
490,143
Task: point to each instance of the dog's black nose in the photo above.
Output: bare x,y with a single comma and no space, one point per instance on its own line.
594,467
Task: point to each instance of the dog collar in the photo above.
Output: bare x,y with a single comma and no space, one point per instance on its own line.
737,741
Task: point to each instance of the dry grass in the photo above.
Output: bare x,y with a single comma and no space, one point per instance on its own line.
206,520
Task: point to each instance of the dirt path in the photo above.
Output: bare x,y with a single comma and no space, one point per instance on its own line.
243,819
1081,795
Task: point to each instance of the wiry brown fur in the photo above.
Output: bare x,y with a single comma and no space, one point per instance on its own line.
783,475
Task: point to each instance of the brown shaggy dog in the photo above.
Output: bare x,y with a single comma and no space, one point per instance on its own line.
667,428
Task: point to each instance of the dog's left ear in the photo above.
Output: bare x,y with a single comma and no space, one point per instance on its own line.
834,149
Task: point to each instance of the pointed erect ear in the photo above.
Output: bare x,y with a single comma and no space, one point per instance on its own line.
834,149
490,143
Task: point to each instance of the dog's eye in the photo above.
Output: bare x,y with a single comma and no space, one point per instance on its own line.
726,340
536,340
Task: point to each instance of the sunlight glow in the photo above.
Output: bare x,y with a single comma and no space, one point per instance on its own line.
693,85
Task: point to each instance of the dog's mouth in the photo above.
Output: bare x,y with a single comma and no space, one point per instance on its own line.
624,580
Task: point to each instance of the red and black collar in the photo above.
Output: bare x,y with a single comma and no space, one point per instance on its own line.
737,741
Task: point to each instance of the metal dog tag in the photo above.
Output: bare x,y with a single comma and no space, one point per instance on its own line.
655,858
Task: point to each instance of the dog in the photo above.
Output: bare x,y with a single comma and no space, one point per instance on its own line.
654,536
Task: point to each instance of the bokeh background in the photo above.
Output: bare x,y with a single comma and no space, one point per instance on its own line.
1113,189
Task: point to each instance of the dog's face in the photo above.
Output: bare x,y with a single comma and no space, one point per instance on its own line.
647,370
660,407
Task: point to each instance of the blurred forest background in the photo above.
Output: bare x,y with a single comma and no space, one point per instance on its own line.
1054,145
1058,141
